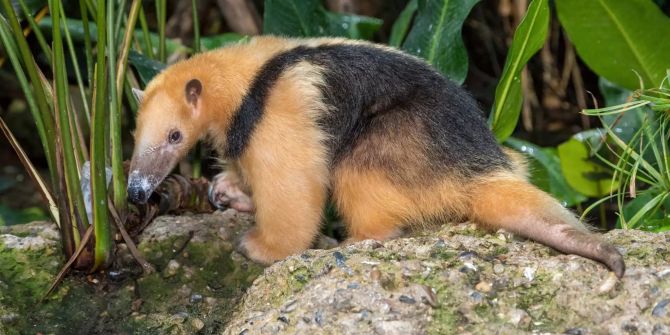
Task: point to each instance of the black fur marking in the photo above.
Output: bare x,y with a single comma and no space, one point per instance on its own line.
252,107
364,86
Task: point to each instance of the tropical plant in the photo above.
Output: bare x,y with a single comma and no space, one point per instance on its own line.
84,198
642,158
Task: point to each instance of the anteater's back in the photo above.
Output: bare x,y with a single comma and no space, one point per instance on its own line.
374,92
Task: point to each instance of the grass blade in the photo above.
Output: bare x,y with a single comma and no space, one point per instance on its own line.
528,39
402,24
10,49
98,179
70,166
88,49
77,73
37,88
196,27
145,33
36,30
161,14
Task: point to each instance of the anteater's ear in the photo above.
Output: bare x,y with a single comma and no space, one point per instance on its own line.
139,94
193,91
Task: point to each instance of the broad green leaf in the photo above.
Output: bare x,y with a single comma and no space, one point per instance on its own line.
436,36
616,37
352,26
294,18
546,171
309,19
219,41
656,225
528,39
402,23
582,170
146,67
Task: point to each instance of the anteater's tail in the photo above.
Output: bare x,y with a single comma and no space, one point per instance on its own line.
510,202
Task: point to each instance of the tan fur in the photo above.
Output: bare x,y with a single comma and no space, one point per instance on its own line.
379,201
289,194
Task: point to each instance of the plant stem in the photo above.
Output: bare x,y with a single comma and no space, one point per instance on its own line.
102,233
161,13
47,121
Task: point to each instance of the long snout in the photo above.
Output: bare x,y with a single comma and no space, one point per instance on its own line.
140,186
147,172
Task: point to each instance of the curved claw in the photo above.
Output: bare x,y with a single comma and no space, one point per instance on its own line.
224,192
216,200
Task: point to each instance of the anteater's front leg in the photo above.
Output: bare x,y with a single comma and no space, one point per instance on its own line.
228,191
289,198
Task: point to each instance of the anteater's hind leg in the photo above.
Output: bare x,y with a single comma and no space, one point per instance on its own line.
370,205
387,181
513,204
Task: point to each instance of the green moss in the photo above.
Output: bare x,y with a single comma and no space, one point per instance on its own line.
443,254
538,298
649,254
27,275
499,250
79,307
446,316
384,255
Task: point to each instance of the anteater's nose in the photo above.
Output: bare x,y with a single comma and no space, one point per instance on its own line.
137,195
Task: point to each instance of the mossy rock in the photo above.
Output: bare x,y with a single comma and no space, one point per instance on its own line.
455,279
198,281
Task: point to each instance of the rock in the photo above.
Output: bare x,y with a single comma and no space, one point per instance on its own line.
455,279
519,318
197,324
661,309
483,286
192,258
478,286
171,268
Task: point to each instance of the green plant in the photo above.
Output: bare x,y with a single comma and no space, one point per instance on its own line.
642,161
70,136
528,39
63,129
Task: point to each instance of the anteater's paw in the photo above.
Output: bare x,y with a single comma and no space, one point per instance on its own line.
225,192
256,249
611,257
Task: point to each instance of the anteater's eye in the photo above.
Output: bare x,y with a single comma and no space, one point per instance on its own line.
174,137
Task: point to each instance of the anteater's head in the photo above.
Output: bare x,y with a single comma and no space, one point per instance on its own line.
169,123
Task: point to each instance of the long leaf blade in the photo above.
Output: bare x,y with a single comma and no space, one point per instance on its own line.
402,24
528,39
